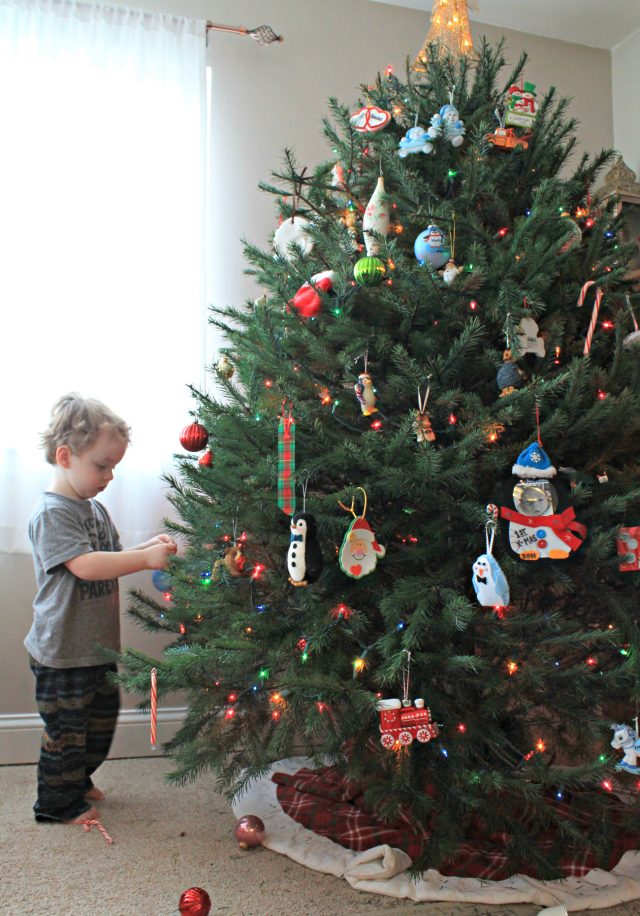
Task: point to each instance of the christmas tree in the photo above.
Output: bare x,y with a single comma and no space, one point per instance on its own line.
422,480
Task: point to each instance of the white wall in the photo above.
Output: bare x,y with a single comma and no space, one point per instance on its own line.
265,99
625,67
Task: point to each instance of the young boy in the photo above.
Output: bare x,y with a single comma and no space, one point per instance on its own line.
78,559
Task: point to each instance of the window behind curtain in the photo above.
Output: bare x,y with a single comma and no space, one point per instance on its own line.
102,239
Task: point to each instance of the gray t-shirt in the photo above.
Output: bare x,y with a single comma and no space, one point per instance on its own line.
71,616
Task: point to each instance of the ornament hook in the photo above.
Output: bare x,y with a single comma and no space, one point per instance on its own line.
353,501
491,526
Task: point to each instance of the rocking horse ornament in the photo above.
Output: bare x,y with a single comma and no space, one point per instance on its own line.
626,739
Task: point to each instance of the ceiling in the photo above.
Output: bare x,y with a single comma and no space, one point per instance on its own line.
596,23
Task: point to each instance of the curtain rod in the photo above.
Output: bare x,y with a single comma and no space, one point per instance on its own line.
263,34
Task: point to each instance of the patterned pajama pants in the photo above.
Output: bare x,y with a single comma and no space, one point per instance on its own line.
79,709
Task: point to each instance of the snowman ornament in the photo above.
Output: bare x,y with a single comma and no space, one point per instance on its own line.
540,526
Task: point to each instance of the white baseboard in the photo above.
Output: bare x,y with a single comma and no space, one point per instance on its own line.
20,734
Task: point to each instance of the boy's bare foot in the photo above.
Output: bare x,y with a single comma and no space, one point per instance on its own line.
91,815
95,794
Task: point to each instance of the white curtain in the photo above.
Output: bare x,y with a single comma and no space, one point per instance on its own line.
102,240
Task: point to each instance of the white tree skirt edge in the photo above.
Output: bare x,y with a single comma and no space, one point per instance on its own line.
383,870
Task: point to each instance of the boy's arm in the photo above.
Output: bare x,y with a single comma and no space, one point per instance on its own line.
107,564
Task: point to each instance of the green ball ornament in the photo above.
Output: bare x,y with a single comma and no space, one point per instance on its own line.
369,271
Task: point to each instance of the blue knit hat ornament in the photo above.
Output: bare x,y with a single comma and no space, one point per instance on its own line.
534,462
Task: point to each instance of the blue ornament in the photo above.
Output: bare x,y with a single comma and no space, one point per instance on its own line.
431,246
161,580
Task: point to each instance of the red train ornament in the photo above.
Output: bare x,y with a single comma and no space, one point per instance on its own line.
402,724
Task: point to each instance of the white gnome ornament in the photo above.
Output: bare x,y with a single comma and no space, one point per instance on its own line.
376,218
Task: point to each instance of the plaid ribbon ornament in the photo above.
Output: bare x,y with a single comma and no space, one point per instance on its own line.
287,462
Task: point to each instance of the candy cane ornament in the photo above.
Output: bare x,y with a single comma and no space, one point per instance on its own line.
594,313
154,705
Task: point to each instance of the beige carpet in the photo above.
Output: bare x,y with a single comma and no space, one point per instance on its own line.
166,840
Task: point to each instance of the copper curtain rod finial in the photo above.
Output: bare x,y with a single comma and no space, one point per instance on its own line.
263,34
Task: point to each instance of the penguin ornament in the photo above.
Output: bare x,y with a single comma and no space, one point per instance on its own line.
488,580
540,525
304,559
366,394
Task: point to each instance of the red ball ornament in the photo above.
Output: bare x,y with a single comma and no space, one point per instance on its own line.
206,459
249,831
194,437
195,902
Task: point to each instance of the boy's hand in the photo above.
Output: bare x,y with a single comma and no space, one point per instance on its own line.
158,553
159,539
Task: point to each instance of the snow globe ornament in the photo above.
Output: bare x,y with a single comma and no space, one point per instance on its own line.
539,523
431,246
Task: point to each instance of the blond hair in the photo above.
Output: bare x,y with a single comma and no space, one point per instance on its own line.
77,422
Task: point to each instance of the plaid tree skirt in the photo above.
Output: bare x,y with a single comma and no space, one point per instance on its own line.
325,802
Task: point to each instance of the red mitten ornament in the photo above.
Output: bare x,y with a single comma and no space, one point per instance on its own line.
307,302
